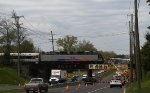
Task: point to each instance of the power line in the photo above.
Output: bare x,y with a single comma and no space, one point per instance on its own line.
39,33
33,26
35,33
106,35
41,43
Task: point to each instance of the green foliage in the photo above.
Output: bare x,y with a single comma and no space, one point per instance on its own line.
108,54
146,54
148,37
108,74
9,76
145,86
8,36
1,61
85,46
70,44
27,47
146,51
148,1
67,43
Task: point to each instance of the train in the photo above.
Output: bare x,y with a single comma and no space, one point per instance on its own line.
24,57
54,57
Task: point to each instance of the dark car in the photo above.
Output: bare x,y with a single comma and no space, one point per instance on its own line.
63,80
90,80
74,78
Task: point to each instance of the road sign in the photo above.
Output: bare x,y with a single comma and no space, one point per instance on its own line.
108,66
68,75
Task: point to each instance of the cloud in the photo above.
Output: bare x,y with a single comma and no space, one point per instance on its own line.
87,19
103,1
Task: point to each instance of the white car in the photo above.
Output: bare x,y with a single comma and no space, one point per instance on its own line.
115,83
84,76
53,80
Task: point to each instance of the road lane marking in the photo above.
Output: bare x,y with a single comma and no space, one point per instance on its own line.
98,89
124,90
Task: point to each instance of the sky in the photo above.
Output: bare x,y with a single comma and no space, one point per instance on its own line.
102,22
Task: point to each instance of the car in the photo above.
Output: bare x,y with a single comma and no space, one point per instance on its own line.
115,83
90,80
74,78
53,80
63,80
101,71
122,78
36,85
93,75
84,77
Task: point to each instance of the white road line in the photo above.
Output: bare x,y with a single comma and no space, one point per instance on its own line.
124,90
98,89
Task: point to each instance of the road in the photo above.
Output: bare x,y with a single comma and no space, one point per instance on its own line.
102,87
97,88
8,87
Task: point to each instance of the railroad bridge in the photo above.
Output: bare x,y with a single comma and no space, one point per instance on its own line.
40,65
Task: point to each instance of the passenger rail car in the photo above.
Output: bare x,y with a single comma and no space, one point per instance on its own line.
24,57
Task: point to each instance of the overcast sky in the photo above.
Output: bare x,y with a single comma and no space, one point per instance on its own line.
102,22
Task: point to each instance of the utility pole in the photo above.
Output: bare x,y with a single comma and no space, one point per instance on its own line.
131,53
17,24
52,42
131,32
8,45
138,57
131,46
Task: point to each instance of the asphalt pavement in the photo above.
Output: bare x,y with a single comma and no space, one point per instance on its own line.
9,87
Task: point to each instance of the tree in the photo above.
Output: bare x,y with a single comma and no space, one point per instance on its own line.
146,54
148,1
8,35
67,44
85,46
145,51
27,46
7,32
108,54
9,40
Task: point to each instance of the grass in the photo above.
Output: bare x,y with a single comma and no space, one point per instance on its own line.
145,86
8,76
107,74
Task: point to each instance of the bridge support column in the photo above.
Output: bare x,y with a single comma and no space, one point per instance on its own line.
89,73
